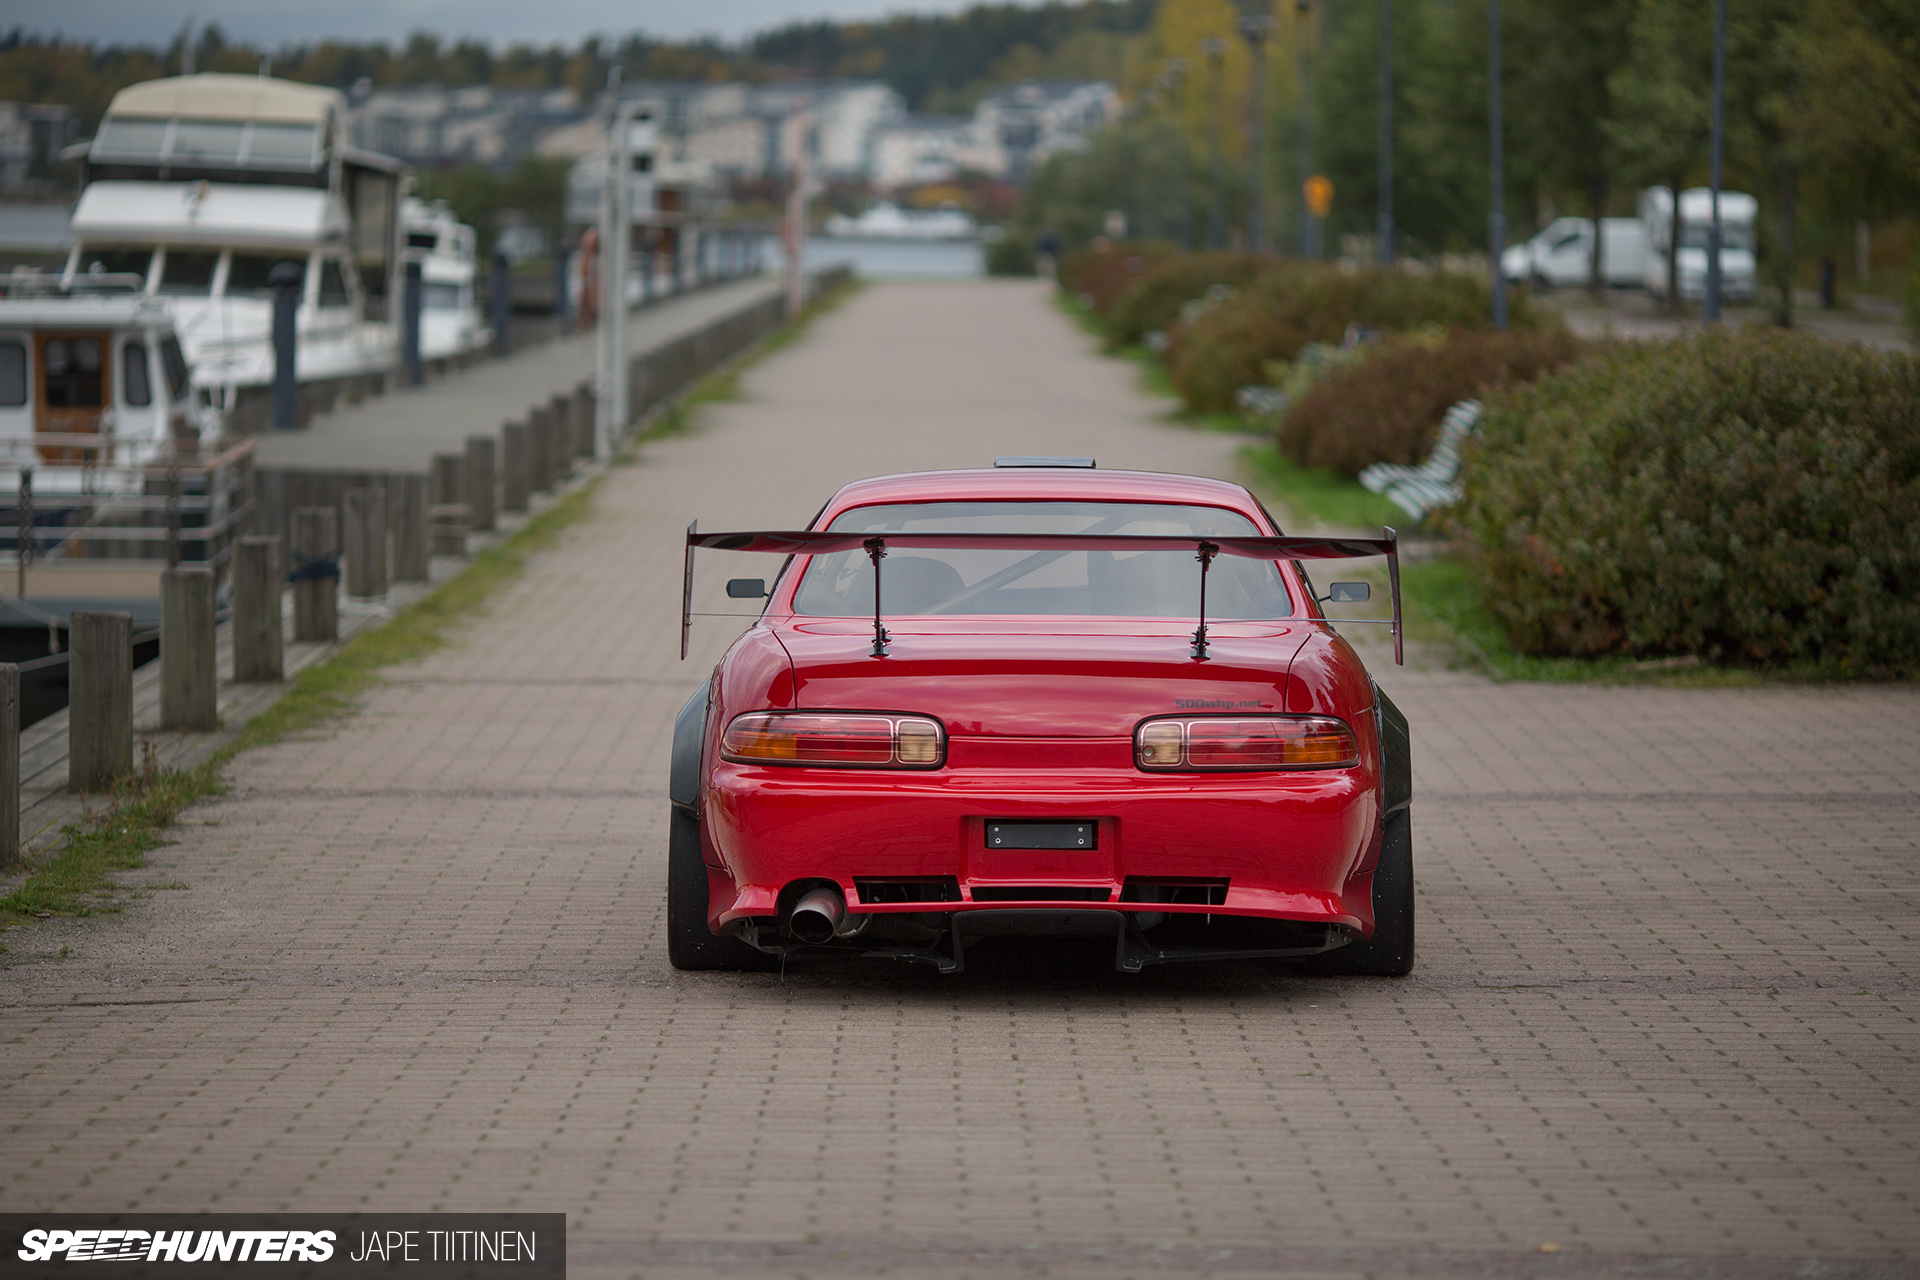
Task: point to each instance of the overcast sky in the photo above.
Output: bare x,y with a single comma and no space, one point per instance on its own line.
544,21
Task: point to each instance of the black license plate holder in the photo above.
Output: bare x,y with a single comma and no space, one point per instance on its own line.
1079,837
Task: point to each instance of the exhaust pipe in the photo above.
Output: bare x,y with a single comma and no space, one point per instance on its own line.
817,916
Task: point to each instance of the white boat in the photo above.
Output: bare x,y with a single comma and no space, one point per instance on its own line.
197,186
886,221
448,252
112,463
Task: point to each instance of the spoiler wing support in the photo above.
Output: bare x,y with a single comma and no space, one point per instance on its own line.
814,542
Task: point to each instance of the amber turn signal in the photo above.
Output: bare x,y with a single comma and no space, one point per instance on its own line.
830,738
1246,742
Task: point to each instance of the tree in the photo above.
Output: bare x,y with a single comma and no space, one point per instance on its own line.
1663,107
1561,96
1439,110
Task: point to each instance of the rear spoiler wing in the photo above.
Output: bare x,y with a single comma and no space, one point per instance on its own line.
825,542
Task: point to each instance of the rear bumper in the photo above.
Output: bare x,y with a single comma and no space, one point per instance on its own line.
1294,846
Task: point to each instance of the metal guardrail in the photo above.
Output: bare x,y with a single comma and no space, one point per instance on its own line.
174,509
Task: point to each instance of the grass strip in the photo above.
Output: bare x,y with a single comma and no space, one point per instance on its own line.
1318,496
1311,497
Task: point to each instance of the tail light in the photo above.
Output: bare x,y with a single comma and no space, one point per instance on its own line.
1245,742
831,738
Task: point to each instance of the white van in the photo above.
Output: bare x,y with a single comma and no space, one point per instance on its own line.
1562,255
1738,214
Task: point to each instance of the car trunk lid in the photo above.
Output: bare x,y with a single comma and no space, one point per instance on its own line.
1077,678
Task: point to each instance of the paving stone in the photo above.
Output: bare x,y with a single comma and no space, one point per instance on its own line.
1664,1017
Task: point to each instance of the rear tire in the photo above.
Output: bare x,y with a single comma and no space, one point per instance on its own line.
1389,952
690,944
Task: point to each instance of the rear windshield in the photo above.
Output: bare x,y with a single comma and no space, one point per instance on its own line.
1108,584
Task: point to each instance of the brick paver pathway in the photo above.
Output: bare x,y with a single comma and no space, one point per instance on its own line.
1664,1017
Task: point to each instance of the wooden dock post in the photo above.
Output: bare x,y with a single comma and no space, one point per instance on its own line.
539,449
316,574
9,764
515,485
581,416
364,513
480,482
189,692
450,528
259,651
565,436
407,513
449,478
590,411
99,699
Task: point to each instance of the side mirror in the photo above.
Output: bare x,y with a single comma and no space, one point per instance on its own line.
1348,592
750,588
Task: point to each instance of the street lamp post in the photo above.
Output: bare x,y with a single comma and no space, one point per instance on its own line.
1497,219
1384,229
1215,50
1175,77
1710,311
1255,27
1304,14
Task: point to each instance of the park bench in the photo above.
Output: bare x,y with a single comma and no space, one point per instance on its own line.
1434,483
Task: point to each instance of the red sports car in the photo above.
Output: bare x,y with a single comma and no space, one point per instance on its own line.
1042,699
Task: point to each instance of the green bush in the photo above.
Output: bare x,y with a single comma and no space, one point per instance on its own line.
1155,300
1280,312
1746,497
1099,274
1387,406
1011,255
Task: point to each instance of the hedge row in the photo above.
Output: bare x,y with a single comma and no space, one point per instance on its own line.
1386,405
1231,345
1748,497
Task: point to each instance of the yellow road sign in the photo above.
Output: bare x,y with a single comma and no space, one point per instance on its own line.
1319,193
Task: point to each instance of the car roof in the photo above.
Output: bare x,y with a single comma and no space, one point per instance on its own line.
1041,484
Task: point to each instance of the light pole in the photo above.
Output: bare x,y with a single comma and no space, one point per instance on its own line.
1303,11
1215,50
1497,219
1710,311
1175,77
1384,218
1255,27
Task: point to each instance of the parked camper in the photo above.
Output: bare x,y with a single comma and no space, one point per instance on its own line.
1562,255
1738,214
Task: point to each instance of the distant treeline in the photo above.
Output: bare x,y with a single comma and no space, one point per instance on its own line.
936,62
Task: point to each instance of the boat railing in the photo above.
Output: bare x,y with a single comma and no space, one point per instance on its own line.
178,507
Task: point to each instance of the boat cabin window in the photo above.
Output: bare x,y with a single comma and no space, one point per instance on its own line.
188,273
283,143
175,363
333,285
124,139
135,385
72,374
247,274
422,240
441,297
114,262
13,373
216,143
206,140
